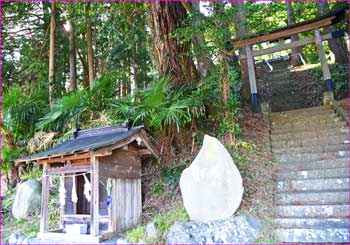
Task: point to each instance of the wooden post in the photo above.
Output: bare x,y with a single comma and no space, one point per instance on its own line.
252,80
323,60
44,200
94,205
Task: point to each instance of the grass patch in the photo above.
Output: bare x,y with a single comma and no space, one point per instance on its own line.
163,222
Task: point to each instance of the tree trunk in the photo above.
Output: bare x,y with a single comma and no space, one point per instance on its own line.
52,57
72,57
336,45
13,176
134,77
172,57
295,59
240,22
89,46
219,9
204,63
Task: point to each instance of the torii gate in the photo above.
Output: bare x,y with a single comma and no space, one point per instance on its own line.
284,33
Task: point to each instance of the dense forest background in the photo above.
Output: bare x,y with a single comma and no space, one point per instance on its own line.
164,65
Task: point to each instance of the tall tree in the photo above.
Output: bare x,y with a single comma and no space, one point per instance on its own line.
336,45
295,59
204,62
173,58
240,23
72,55
52,56
89,46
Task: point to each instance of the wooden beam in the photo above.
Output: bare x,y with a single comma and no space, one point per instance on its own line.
148,144
94,205
62,158
291,45
117,145
284,33
44,200
54,156
142,152
68,169
324,64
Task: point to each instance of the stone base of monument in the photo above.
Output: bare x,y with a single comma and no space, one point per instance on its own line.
239,229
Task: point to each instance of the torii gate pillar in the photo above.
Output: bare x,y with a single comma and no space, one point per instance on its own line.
252,79
324,64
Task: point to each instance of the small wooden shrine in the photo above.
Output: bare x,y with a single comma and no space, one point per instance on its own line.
100,182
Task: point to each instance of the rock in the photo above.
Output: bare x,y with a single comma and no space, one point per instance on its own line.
27,199
26,240
16,239
152,231
211,186
240,229
121,240
12,239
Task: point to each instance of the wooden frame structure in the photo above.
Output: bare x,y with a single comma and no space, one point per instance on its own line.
285,33
118,163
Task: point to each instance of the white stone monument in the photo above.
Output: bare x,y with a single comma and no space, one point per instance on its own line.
211,186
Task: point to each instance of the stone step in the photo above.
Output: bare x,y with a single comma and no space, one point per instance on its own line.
313,174
311,134
280,101
286,106
307,123
307,157
313,198
321,184
322,126
322,164
277,108
307,223
296,119
313,235
312,149
335,139
313,211
286,92
305,111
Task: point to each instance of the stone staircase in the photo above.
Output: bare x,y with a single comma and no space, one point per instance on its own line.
285,88
312,178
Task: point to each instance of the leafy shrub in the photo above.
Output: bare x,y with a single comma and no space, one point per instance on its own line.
165,220
162,107
340,77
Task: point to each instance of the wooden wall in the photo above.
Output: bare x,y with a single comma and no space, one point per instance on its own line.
122,164
126,210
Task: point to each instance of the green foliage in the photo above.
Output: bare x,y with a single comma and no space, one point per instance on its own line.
340,76
35,173
242,152
163,222
21,111
7,201
158,188
171,175
135,235
30,226
66,112
161,107
8,156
